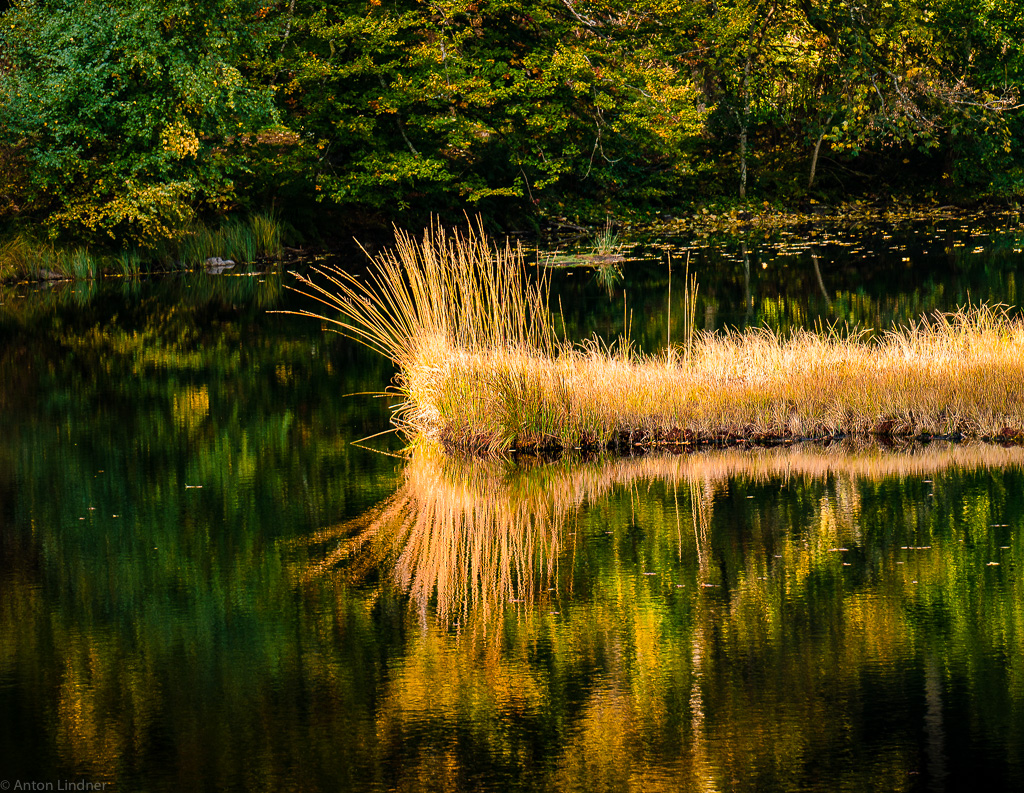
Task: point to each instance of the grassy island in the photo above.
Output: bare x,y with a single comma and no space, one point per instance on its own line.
482,368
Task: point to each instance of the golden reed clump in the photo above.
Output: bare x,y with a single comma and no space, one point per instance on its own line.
480,367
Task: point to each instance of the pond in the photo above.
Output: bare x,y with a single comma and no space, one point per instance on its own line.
205,584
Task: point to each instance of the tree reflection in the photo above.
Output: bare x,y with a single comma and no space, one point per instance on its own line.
713,640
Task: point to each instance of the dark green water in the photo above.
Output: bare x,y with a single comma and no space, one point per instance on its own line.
868,279
204,585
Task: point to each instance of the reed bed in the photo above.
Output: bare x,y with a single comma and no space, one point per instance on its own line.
244,241
238,240
20,257
480,367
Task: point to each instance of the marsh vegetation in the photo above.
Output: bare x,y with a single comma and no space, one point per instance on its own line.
258,237
484,364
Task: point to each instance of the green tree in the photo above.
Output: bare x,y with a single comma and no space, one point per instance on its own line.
745,42
983,58
484,102
130,116
913,75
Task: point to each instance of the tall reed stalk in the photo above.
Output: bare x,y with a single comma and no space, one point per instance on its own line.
689,310
668,309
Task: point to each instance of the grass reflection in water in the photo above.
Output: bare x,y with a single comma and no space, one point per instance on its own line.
674,633
680,623
482,533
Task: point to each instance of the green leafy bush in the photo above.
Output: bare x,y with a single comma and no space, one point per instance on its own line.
126,114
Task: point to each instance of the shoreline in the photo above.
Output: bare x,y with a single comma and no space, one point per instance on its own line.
711,217
640,443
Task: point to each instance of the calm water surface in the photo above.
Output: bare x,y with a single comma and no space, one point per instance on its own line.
205,585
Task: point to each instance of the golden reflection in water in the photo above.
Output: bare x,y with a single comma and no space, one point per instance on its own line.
693,675
465,533
469,537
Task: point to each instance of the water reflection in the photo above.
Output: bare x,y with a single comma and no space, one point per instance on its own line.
774,619
316,617
155,449
458,531
869,277
469,536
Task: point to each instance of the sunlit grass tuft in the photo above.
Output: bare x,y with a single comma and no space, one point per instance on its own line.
436,307
480,367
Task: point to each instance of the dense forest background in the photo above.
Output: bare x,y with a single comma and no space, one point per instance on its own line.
124,122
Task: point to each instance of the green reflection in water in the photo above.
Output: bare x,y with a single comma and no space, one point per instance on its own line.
775,619
158,451
867,278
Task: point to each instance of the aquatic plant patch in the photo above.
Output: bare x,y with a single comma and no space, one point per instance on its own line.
480,366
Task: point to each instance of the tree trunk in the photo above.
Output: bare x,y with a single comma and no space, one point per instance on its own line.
814,160
743,161
817,150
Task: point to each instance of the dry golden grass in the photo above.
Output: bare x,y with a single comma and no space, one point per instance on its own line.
480,367
959,374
